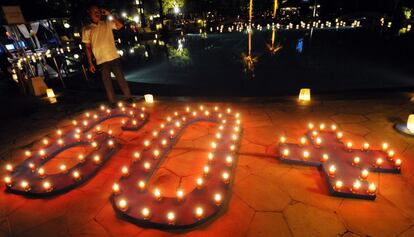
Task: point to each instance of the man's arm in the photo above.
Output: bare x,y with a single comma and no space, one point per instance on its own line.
118,23
89,55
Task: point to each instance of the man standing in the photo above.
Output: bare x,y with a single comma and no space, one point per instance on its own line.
99,40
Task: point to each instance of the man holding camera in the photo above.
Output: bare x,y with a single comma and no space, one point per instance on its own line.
99,40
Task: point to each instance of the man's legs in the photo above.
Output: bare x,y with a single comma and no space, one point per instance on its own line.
107,81
119,75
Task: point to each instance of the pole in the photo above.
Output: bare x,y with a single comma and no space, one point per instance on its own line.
58,71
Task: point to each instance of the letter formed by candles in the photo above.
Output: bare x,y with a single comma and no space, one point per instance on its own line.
145,206
345,167
29,177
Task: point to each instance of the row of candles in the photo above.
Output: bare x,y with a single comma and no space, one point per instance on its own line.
78,133
178,122
332,169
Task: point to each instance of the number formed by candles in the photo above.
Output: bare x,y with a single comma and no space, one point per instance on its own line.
136,202
345,167
29,177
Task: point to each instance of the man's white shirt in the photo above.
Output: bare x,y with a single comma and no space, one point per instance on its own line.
101,38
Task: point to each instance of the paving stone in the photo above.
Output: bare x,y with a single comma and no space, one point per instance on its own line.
348,118
305,184
89,229
261,194
268,224
373,218
305,220
398,191
113,225
55,227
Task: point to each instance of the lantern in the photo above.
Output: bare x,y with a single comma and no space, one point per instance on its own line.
304,95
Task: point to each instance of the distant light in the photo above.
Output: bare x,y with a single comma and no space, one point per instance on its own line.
304,95
176,10
136,19
124,14
110,17
149,98
66,25
76,56
50,93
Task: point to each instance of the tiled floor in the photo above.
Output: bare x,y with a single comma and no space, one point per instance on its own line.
268,198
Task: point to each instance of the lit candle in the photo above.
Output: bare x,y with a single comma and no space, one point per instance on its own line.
171,134
372,188
141,185
154,133
379,162
226,177
333,127
206,170
8,181
339,135
94,145
385,146
45,142
42,153
356,186
171,218
306,155
137,156
391,153
285,153
125,171
180,194
147,166
199,183
59,132
364,174
25,185
76,175
218,135
338,185
229,161
116,189
210,157
318,141
332,170
199,212
41,172
145,213
322,126
314,133
310,126
111,144
325,157
349,146
217,199
63,168
397,162
356,161
157,194
47,186
146,144
366,146
81,158
27,153
9,168
97,159
156,154
123,205
213,145
303,141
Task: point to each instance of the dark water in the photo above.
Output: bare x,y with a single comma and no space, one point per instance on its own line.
330,61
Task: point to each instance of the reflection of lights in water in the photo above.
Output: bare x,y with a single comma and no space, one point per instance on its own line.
180,45
124,15
120,52
66,25
146,54
131,51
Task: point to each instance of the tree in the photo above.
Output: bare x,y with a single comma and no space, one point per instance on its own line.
168,5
